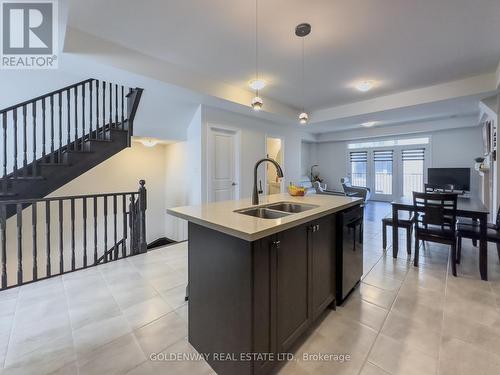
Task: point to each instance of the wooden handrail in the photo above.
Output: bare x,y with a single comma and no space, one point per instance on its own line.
46,95
67,197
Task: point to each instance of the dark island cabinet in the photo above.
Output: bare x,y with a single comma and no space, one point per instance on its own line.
298,283
258,297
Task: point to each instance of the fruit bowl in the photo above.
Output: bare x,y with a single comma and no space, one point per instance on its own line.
296,191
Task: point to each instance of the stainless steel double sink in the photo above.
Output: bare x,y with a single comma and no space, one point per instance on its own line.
276,210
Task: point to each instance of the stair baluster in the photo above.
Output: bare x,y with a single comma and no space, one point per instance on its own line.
52,148
19,217
97,110
34,170
59,156
68,115
84,212
95,230
72,206
4,129
61,237
105,204
43,129
124,208
3,243
103,110
14,119
91,130
34,241
123,111
142,217
75,144
47,238
110,105
116,105
83,117
25,142
115,233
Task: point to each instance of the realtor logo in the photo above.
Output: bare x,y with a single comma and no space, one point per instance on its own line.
29,34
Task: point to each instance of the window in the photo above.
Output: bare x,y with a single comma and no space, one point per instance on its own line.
413,171
390,143
359,161
383,171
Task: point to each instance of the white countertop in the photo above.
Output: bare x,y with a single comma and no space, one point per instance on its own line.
220,216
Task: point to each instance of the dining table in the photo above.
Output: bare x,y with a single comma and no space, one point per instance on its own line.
469,207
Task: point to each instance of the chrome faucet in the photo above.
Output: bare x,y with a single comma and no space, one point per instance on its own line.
279,171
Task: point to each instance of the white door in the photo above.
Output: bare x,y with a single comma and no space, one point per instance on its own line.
223,165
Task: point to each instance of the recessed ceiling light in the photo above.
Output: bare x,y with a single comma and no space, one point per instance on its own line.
369,124
365,86
149,142
257,84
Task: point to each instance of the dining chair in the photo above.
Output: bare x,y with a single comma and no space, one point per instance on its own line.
470,229
405,220
435,221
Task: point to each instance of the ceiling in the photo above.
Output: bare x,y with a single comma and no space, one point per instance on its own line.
401,44
446,109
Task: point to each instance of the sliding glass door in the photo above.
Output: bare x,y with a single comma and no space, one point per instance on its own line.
359,168
382,171
389,172
413,170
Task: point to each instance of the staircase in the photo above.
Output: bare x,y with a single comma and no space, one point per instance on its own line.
52,139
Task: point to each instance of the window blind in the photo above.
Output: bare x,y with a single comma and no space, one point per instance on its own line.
385,155
415,154
359,156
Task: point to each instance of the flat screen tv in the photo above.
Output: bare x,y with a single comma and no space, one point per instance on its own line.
441,177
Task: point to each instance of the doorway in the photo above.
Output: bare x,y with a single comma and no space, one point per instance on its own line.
223,170
274,150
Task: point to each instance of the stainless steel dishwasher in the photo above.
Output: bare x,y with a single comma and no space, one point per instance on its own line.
349,254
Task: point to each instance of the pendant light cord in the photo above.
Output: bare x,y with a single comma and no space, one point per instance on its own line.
257,43
303,76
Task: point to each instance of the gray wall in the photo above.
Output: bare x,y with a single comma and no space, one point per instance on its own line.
449,148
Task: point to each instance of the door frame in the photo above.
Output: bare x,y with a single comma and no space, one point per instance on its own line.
237,157
282,165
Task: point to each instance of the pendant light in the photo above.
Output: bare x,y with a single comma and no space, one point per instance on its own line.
302,31
257,101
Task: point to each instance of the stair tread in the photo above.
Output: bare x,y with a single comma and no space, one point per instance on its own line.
26,178
47,164
78,151
7,194
99,140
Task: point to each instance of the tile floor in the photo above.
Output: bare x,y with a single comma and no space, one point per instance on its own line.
401,320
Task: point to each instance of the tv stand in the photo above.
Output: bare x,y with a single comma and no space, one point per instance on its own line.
435,189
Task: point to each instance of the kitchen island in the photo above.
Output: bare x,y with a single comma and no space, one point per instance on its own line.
259,276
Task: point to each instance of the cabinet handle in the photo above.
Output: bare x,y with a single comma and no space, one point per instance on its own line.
276,244
317,227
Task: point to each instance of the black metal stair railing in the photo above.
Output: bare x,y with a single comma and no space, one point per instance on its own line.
41,130
53,236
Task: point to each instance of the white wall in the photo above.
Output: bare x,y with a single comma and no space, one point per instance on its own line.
253,145
176,188
449,148
309,157
183,171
